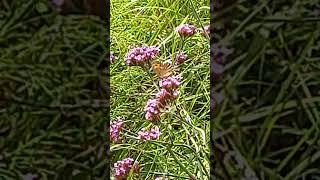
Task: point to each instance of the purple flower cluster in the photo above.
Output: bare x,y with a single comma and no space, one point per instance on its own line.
112,57
219,58
180,58
186,30
115,128
123,167
163,95
167,93
220,53
152,134
138,56
152,109
170,83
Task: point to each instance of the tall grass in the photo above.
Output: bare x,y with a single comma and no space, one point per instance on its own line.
182,152
52,104
267,125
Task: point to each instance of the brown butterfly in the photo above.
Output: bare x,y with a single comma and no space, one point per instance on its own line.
161,69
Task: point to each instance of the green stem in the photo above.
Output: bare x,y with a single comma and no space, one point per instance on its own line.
180,164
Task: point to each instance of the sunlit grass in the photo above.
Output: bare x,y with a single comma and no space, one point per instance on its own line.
153,23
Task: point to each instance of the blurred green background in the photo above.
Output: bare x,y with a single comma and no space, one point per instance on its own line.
53,101
267,124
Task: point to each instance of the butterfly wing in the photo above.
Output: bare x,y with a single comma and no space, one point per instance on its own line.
162,70
156,66
165,70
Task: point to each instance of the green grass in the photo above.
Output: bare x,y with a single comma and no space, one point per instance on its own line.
268,121
180,153
49,84
266,127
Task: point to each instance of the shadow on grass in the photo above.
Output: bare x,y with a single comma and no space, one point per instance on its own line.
267,124
53,93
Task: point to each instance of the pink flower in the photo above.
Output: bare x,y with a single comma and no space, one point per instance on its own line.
220,53
115,128
163,95
151,116
206,30
180,58
138,56
112,57
170,83
123,167
143,134
174,94
186,30
152,109
168,92
152,134
153,105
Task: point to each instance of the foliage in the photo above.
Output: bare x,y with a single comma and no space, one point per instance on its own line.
183,148
267,125
52,93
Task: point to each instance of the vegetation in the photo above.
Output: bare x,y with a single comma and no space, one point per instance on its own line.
182,149
52,93
264,74
267,123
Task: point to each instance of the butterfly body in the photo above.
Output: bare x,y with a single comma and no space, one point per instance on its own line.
162,69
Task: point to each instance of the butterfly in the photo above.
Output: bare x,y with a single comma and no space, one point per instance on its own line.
161,69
